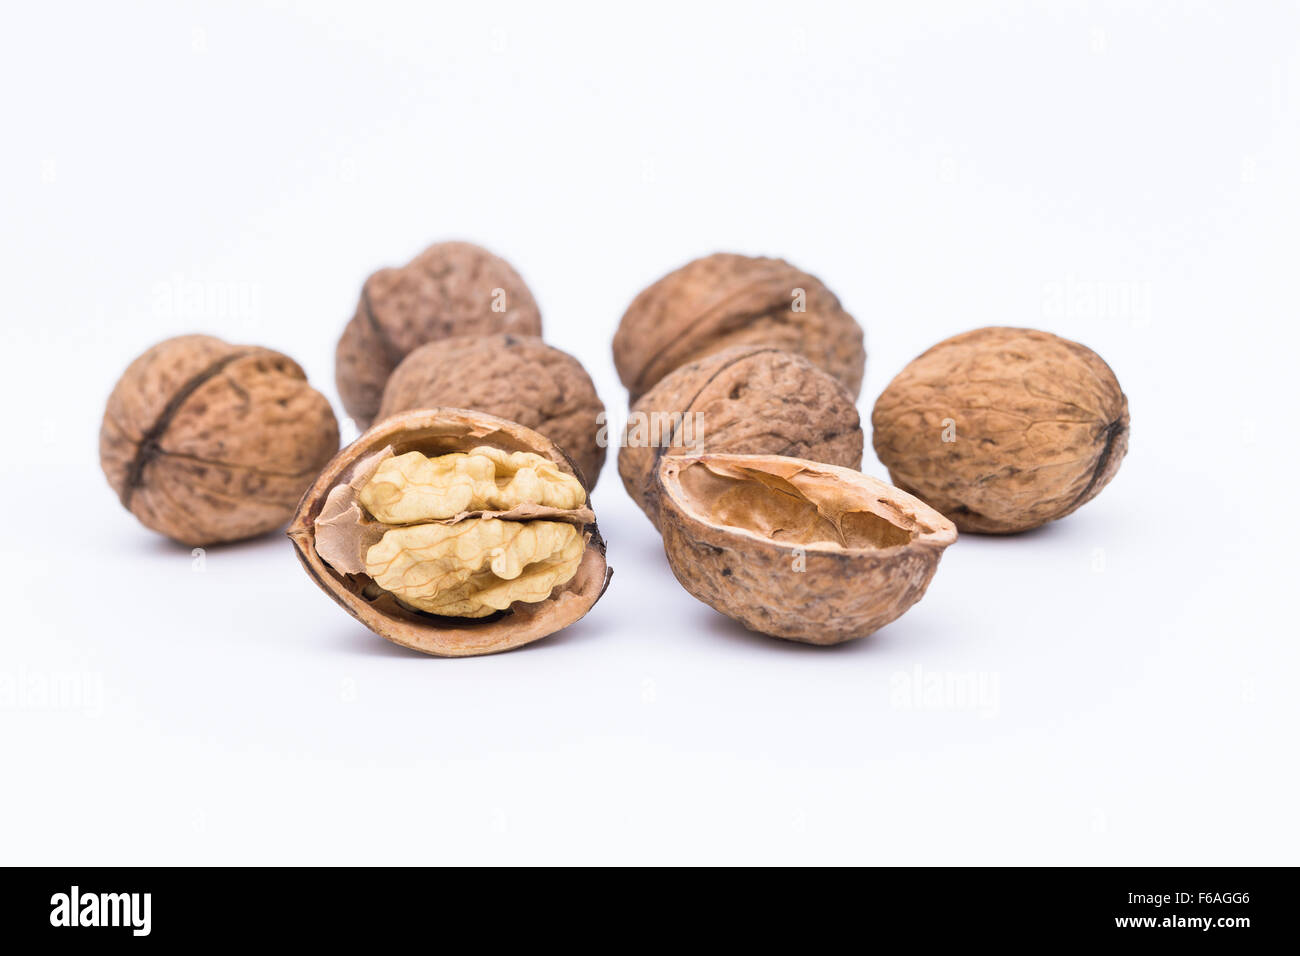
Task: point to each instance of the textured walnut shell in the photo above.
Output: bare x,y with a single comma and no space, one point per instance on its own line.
207,442
1003,429
440,431
797,549
723,300
750,400
518,378
448,290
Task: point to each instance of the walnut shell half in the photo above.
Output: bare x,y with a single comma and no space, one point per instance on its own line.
797,549
208,442
516,377
1003,429
723,300
745,400
321,533
450,289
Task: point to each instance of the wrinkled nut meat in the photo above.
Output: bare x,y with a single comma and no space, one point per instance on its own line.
453,532
516,377
797,549
1003,429
207,442
744,400
451,289
467,568
724,300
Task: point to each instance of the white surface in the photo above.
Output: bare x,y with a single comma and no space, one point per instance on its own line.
240,169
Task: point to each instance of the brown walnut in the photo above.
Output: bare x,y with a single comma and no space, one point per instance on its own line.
1003,429
450,289
797,549
516,377
453,532
207,442
744,400
723,300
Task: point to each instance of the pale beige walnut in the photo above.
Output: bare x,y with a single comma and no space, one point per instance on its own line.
453,532
208,442
797,549
1003,429
451,289
415,487
476,566
744,400
723,300
516,377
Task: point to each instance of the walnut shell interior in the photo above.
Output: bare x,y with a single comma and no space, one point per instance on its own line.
795,548
808,509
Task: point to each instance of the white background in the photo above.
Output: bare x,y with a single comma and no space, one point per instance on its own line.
1123,174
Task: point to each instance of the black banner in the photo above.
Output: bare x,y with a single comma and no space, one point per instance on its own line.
135,906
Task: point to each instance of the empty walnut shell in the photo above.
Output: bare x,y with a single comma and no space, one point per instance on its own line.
434,432
744,400
207,442
450,289
1003,429
724,300
797,549
516,377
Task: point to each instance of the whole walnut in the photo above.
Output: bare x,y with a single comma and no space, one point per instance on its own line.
1003,429
208,442
450,289
723,300
745,400
516,377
